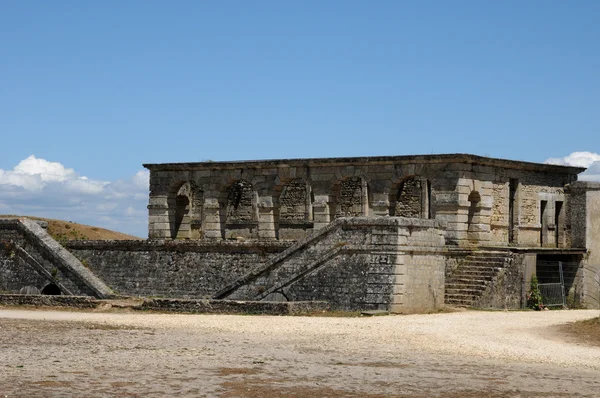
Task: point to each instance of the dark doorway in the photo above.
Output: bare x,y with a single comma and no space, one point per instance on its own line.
543,223
512,198
558,223
182,209
51,290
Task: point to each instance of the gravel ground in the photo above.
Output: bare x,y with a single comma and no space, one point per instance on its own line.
462,354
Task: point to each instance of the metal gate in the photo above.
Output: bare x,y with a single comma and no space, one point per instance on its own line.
553,294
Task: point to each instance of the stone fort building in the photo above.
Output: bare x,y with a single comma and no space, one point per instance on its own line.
401,233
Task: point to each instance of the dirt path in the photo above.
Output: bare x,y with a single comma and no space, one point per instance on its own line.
465,354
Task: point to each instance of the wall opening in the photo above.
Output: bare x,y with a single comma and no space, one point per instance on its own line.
512,206
543,222
294,202
473,217
429,206
559,224
350,198
185,204
182,211
51,289
411,199
241,203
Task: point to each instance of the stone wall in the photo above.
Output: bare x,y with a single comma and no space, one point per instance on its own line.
31,257
287,199
14,275
390,263
584,217
175,269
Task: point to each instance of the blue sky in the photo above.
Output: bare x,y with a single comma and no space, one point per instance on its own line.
98,88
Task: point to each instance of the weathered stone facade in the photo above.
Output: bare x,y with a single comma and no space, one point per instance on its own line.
404,234
485,202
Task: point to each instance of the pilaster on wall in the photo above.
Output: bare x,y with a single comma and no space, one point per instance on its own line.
212,219
321,211
467,211
381,205
266,219
158,217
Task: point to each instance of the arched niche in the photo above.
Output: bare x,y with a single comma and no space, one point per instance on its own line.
294,210
350,198
241,211
51,289
410,198
473,217
185,203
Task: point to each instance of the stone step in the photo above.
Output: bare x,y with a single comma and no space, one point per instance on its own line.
470,273
489,254
478,269
468,292
468,281
484,263
459,299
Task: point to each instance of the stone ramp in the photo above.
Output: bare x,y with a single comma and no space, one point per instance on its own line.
387,263
474,276
40,251
304,261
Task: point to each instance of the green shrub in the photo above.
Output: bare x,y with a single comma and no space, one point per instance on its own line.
534,297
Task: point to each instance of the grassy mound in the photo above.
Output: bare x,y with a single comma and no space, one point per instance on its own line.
67,230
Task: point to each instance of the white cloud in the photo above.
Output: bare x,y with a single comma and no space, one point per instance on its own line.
47,171
38,187
589,160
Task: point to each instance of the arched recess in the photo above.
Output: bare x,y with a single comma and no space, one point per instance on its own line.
473,217
351,198
185,203
241,218
294,219
294,202
241,202
51,289
410,198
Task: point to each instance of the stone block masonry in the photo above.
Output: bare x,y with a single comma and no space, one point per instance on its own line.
393,263
359,233
172,269
484,201
32,255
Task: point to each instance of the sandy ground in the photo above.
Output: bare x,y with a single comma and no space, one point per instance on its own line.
462,354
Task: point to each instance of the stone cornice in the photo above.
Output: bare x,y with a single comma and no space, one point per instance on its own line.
368,160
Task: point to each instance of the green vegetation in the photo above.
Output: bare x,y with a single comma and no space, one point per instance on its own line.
534,297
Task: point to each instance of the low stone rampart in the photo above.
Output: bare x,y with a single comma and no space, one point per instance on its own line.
390,263
172,269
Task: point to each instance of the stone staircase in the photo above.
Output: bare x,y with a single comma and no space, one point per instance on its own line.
473,276
50,260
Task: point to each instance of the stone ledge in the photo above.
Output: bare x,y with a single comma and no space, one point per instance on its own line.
170,305
296,224
48,301
273,164
211,306
168,245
